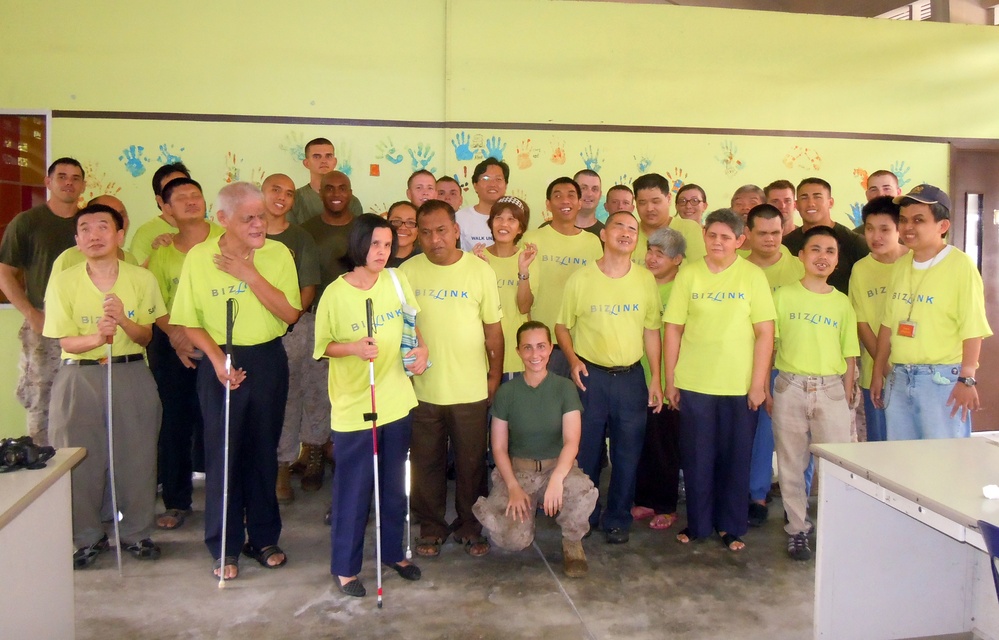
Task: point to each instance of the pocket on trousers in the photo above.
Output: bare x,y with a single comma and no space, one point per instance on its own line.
781,383
835,392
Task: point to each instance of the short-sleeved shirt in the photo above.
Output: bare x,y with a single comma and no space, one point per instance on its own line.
534,415
607,317
32,242
166,262
331,245
142,240
73,256
691,232
718,311
74,305
816,332
947,304
473,228
787,270
868,294
309,204
203,290
558,257
342,317
852,247
507,281
303,250
664,291
455,301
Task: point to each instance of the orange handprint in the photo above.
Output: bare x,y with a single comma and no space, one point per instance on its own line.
524,154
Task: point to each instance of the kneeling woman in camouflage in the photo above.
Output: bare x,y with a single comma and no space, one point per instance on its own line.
535,439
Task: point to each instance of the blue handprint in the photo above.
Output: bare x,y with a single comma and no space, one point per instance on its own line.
387,150
294,144
422,157
643,163
134,161
901,171
624,179
591,158
345,167
855,214
462,144
167,156
495,148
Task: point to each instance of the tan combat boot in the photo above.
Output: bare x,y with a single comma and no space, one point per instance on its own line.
285,494
574,559
312,477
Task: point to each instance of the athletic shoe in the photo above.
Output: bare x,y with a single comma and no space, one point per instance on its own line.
797,546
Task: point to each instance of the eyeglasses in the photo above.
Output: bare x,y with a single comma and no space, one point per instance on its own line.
409,224
693,201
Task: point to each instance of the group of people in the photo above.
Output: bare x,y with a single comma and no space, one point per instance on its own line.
662,344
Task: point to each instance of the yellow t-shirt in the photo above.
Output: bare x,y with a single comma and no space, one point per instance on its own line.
200,300
664,291
947,304
607,317
341,316
73,306
816,332
73,256
558,258
691,232
718,311
507,283
787,270
166,262
142,240
455,302
868,293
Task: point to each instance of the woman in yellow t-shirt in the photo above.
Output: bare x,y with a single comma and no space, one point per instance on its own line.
342,336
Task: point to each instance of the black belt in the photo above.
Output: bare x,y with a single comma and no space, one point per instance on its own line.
135,357
614,371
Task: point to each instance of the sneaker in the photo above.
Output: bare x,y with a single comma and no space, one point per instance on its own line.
144,549
797,546
758,514
85,556
617,535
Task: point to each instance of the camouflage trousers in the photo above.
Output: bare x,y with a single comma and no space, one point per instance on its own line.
307,412
578,499
38,365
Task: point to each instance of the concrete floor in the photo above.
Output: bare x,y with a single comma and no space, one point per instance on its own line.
652,587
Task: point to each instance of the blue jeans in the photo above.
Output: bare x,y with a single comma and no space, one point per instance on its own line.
876,431
614,404
916,403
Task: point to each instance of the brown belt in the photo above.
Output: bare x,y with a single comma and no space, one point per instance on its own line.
527,464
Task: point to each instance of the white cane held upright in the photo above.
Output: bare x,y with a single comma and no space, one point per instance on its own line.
110,425
373,417
229,320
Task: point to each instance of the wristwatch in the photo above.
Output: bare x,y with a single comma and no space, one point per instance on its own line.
968,381
523,276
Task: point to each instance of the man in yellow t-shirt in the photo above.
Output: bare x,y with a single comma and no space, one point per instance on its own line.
460,320
652,200
259,276
87,305
158,231
562,249
73,255
816,331
610,317
932,328
869,293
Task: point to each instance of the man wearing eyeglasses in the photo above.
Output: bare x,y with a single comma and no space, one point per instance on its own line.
489,179
691,203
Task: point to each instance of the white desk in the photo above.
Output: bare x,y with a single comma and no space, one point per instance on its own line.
898,552
36,539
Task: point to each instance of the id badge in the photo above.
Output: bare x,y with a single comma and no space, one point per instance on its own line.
906,329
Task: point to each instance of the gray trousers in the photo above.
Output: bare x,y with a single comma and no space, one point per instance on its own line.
307,413
38,365
77,418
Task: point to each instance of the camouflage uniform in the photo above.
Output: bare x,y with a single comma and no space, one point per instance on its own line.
38,365
307,413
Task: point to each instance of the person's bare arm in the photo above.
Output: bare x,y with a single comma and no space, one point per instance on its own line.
880,369
653,349
571,434
962,397
867,337
577,367
273,299
202,340
763,351
519,504
18,297
308,294
494,351
674,333
140,334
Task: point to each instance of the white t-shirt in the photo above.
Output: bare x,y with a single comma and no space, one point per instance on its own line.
474,228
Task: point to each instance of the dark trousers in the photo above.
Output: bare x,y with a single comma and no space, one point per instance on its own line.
658,482
465,426
716,444
353,491
615,405
256,415
181,430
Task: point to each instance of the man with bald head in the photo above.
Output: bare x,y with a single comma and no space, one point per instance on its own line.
307,412
73,255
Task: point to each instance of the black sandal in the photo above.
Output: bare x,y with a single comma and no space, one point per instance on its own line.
408,571
230,561
85,556
144,549
352,588
265,554
685,534
729,539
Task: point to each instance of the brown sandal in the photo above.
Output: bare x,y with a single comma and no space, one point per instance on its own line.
429,546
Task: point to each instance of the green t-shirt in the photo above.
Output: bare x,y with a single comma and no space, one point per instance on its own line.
455,301
691,232
558,258
165,264
815,332
201,295
507,282
74,305
664,291
718,311
787,270
945,301
607,317
869,293
142,240
342,317
331,245
74,256
308,205
32,242
303,250
534,415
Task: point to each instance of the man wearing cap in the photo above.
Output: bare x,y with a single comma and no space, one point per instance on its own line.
932,328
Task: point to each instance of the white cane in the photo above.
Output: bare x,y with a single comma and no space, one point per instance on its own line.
409,534
110,424
373,417
229,318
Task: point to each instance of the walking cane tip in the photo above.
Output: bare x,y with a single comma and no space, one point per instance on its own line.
221,584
